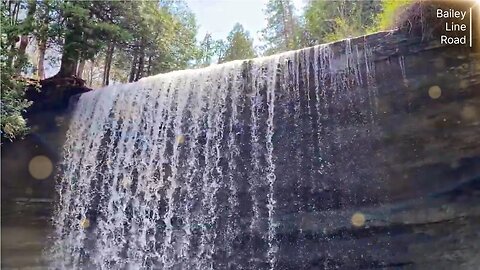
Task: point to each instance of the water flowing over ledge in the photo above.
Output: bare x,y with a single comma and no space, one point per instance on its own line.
257,164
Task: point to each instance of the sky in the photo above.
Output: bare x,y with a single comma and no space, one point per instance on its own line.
219,16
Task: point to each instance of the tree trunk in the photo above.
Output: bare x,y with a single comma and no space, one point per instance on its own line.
71,51
141,61
23,44
42,47
68,66
20,59
12,15
81,67
133,68
42,35
141,65
149,66
108,64
28,22
90,75
15,13
291,27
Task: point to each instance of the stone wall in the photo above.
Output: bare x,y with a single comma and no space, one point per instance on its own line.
406,165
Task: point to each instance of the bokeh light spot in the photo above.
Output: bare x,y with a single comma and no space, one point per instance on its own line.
85,223
126,183
435,92
463,84
40,167
180,139
358,219
469,113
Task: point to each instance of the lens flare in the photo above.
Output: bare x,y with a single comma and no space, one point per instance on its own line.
358,219
40,167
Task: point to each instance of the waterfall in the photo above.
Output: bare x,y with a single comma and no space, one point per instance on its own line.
225,167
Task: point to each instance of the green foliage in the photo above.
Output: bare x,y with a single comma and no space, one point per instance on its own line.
44,16
13,105
284,30
150,37
239,45
87,26
209,49
12,89
390,11
177,42
333,20
161,38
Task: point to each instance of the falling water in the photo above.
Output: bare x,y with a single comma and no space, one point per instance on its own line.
210,168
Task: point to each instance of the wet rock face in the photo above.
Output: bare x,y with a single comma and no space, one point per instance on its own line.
430,120
28,174
339,156
408,129
406,155
29,163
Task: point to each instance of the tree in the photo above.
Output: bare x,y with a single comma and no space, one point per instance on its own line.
157,36
87,24
12,102
25,29
390,11
46,31
207,51
123,39
239,45
334,20
164,39
283,31
182,49
210,50
220,47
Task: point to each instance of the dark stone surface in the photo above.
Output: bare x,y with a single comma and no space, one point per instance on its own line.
48,119
413,171
27,203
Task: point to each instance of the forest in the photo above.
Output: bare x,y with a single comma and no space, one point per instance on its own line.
105,42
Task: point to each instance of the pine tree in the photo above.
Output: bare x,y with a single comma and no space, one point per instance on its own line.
12,59
206,51
239,45
163,38
334,20
87,25
283,31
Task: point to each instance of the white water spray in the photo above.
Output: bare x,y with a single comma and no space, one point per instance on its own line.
180,170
